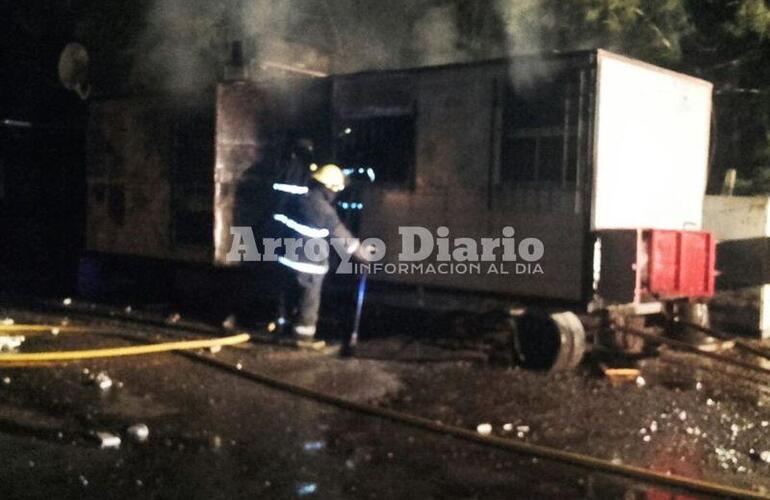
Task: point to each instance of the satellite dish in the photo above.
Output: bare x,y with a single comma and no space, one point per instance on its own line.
73,69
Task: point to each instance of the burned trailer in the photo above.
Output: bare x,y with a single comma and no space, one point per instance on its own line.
600,157
168,175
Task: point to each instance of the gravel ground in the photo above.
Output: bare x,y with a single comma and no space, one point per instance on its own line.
216,436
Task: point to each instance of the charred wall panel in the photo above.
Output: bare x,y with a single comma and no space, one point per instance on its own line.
457,174
149,176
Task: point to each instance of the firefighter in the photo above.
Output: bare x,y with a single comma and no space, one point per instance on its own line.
309,213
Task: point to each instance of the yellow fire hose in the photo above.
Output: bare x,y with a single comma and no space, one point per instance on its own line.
109,352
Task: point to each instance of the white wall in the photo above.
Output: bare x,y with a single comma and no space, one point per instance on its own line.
737,217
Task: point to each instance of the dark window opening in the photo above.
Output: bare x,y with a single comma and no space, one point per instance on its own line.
540,135
385,144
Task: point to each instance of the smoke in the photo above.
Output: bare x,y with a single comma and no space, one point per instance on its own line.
183,45
525,23
436,38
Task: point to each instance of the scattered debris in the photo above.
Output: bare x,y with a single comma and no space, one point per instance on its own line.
101,380
312,446
128,310
107,440
508,427
67,301
215,442
620,376
55,331
640,382
765,456
173,318
229,322
139,432
7,322
7,380
9,343
305,489
83,480
215,349
484,429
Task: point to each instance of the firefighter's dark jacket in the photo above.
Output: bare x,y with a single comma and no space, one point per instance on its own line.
312,215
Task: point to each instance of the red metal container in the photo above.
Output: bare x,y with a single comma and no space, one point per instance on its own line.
679,263
643,265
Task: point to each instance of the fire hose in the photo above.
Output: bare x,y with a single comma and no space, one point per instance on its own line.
108,352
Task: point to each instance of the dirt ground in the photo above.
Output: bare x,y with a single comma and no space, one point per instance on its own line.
213,435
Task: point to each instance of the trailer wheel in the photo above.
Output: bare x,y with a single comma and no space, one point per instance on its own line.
551,342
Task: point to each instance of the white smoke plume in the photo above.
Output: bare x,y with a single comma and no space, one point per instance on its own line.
436,40
527,25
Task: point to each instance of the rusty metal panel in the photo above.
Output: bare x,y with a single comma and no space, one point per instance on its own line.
128,178
149,177
240,145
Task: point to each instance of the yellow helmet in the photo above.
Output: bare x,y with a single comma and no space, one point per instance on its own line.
330,176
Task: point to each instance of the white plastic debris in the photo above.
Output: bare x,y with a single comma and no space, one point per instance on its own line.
507,427
765,456
7,322
67,301
108,440
229,322
305,489
311,446
174,318
646,438
55,331
484,429
11,342
215,349
640,382
682,415
522,429
654,426
138,432
7,380
103,381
